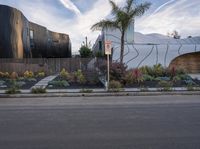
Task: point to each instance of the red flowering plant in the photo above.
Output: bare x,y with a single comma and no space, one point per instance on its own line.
133,76
117,71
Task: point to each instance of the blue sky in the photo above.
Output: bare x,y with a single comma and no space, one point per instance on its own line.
75,17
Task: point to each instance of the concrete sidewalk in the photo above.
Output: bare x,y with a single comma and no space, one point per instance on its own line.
101,90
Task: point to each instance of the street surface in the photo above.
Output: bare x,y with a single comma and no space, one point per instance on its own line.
153,122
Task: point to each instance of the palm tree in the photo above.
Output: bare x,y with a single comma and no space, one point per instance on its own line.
123,17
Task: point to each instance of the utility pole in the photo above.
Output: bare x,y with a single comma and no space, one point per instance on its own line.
86,41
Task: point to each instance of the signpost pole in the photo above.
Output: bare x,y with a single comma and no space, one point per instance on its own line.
108,51
108,67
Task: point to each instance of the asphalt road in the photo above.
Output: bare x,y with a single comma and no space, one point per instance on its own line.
161,122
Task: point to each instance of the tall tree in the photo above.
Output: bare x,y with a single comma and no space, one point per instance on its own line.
123,17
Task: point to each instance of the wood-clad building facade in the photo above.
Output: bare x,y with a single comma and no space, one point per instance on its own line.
20,38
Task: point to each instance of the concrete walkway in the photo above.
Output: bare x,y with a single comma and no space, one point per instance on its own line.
195,76
44,82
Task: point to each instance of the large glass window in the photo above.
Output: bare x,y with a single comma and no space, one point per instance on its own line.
31,34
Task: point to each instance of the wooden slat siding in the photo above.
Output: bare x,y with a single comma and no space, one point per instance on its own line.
50,66
189,62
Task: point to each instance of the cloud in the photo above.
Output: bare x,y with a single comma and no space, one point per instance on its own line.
70,5
80,26
162,6
181,15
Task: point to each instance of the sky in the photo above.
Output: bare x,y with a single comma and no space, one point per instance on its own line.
75,17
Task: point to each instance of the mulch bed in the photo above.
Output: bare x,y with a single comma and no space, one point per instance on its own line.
154,84
28,84
76,85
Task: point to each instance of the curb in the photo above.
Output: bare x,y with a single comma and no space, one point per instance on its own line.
102,94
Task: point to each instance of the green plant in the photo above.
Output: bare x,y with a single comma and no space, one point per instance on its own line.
115,86
20,83
31,79
165,85
146,70
117,71
79,76
85,52
190,87
59,83
176,78
158,70
155,71
14,76
28,74
133,76
14,89
4,75
41,74
2,82
162,79
147,77
122,19
38,90
64,74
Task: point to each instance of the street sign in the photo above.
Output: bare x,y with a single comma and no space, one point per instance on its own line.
108,47
108,51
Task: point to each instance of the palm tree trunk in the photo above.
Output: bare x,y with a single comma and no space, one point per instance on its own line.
122,47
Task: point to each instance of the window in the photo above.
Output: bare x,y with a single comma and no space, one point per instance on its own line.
100,45
31,34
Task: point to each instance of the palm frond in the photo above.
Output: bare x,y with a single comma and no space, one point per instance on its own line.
128,6
105,24
114,6
140,9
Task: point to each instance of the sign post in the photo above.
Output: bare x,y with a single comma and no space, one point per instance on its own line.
108,51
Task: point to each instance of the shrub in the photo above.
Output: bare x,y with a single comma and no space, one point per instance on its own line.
4,75
173,72
166,85
162,79
117,71
137,75
60,83
14,89
176,78
14,76
133,76
28,74
38,90
41,74
2,82
31,79
64,74
115,86
190,87
147,77
155,71
79,76
158,71
185,77
20,83
85,52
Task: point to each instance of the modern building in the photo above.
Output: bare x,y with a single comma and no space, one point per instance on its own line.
153,49
20,38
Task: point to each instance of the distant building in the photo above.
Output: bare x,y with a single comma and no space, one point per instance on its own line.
150,49
20,38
